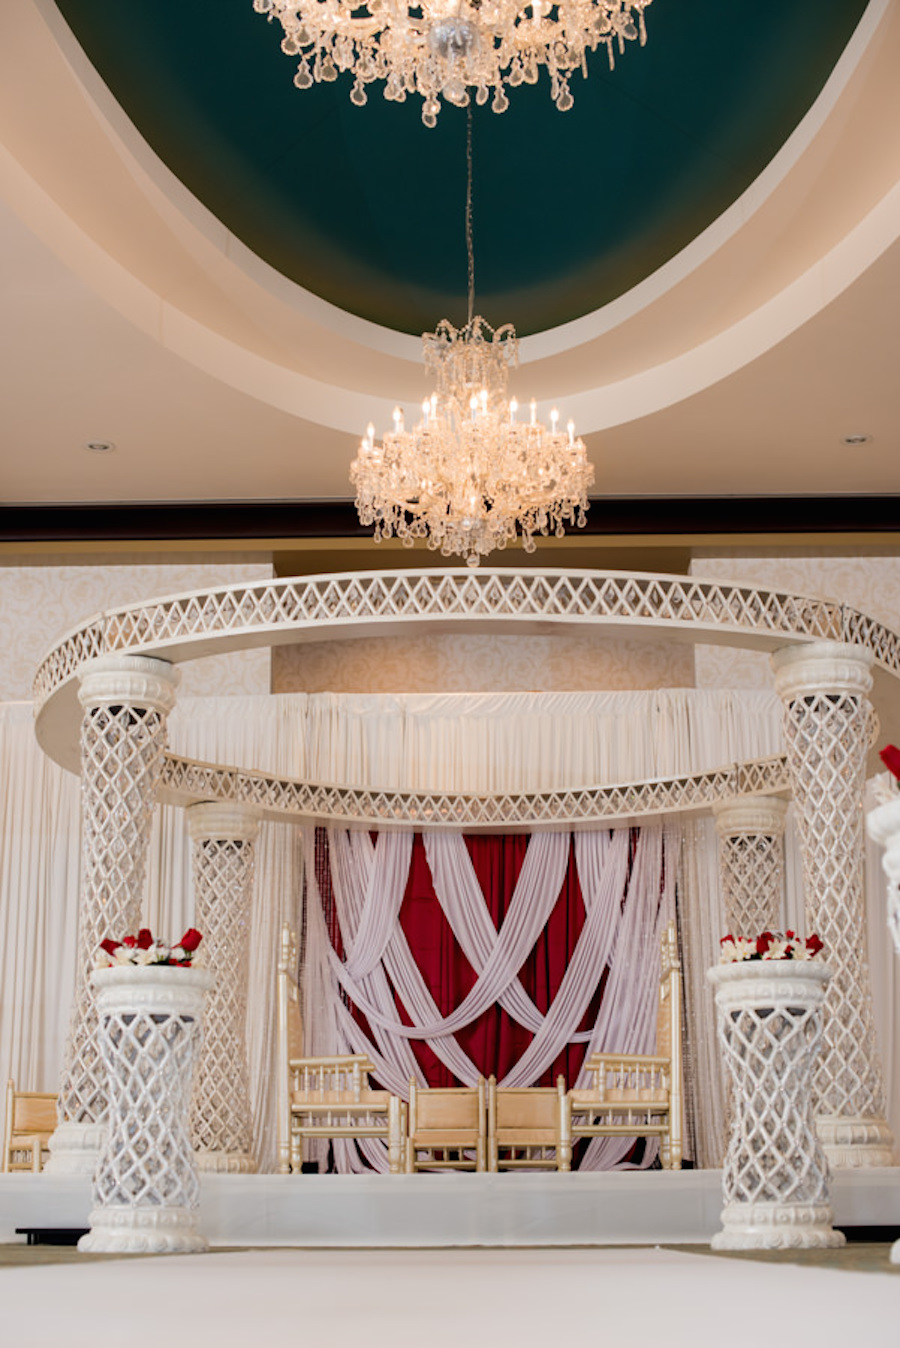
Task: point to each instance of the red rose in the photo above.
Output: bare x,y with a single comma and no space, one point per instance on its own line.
144,939
890,757
813,945
110,946
790,936
190,940
763,942
726,939
130,941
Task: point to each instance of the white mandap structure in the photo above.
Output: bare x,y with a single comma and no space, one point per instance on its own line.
104,692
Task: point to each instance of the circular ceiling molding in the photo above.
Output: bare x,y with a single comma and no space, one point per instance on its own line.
364,207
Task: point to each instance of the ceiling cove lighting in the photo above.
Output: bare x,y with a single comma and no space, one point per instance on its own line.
445,48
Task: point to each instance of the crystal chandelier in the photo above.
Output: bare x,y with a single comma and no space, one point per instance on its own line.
443,48
472,474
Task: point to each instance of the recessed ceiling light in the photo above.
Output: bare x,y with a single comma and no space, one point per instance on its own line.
856,439
99,446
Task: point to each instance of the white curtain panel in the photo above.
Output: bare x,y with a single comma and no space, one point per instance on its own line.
622,929
40,867
494,742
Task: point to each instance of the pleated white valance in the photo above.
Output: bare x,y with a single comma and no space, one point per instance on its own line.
487,742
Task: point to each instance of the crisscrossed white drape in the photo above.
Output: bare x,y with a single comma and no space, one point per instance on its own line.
624,916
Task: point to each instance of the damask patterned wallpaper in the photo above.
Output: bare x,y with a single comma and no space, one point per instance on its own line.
458,663
871,584
39,604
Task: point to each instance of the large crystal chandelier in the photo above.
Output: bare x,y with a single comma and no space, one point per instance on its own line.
444,48
473,473
471,476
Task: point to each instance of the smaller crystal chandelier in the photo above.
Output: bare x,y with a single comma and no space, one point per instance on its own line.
443,48
471,475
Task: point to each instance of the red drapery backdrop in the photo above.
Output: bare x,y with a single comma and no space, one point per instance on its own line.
494,1041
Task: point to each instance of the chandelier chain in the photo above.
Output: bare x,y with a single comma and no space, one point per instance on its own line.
470,241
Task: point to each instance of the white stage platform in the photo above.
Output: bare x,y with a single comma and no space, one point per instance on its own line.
372,1211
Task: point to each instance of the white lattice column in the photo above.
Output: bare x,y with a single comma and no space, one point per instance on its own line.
827,713
126,700
224,837
751,862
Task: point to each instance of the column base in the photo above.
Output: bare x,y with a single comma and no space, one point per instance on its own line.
225,1162
75,1148
852,1143
143,1231
777,1226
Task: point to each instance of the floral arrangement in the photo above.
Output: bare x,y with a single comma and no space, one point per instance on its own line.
142,949
768,945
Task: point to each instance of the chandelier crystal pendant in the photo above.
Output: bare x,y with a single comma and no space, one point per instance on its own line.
443,48
473,474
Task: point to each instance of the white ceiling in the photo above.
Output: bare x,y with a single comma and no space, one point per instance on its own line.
129,314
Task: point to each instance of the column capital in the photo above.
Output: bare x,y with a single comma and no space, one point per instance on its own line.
223,819
822,667
751,814
138,680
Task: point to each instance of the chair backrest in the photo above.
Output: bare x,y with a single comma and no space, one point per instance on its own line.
28,1114
532,1107
445,1109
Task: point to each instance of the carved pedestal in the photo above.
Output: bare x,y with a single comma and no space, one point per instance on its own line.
146,1190
775,1178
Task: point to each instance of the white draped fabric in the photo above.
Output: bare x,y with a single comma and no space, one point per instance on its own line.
485,742
622,929
458,741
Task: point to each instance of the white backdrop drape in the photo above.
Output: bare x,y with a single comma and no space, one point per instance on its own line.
625,915
478,742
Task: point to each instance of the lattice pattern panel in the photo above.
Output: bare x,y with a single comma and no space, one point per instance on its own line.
185,780
122,751
751,867
223,883
267,607
773,1154
148,1161
826,735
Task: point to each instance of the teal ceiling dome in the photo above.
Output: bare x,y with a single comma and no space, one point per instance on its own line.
365,206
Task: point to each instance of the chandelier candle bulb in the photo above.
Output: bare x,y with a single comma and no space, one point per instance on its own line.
513,409
571,429
534,411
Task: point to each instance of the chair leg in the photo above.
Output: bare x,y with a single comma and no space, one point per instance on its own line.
395,1135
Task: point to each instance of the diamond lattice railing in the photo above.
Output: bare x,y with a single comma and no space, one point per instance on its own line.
185,780
211,619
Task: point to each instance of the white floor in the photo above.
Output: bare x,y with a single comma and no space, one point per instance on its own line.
446,1299
381,1211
